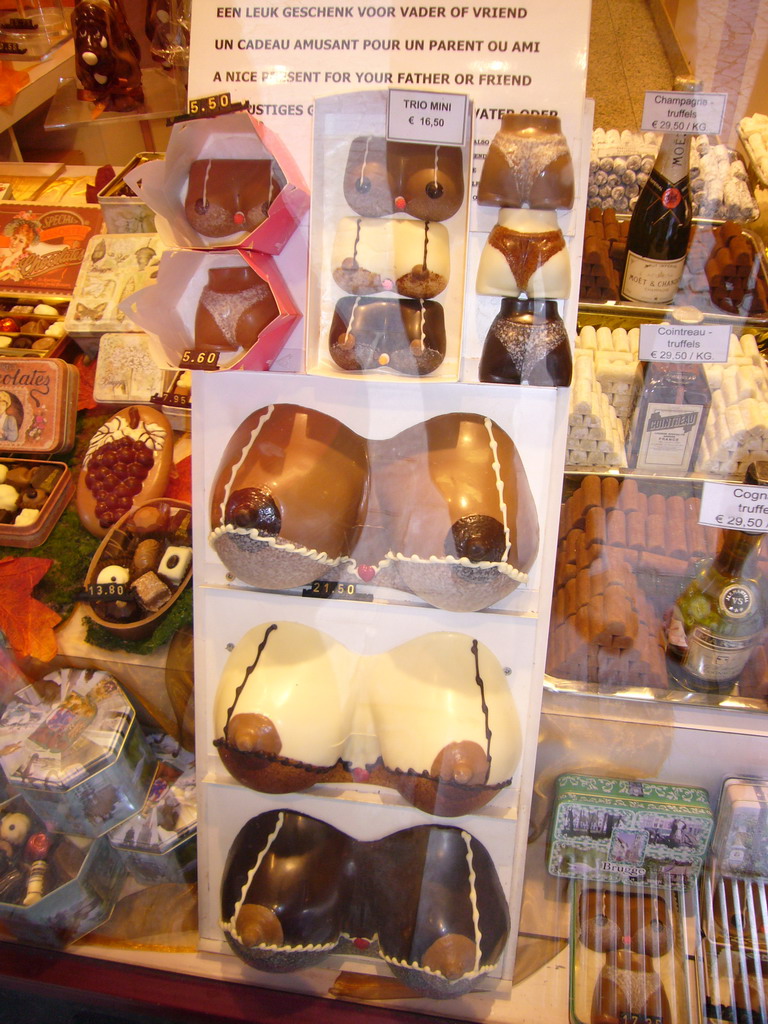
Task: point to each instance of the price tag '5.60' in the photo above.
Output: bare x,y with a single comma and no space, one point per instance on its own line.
734,507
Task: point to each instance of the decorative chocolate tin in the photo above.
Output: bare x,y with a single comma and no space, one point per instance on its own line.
740,844
53,888
42,247
38,405
159,844
32,497
72,745
606,829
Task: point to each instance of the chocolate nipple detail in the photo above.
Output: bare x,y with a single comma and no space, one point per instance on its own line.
258,926
253,733
452,955
253,508
478,538
464,762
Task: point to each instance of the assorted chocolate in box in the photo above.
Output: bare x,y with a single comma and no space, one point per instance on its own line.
71,744
38,405
54,888
609,830
32,497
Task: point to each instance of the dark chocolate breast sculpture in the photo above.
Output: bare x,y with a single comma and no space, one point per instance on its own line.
455,521
290,496
422,180
294,887
295,707
407,335
228,197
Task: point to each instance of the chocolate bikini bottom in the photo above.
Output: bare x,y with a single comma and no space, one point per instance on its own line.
442,509
427,900
525,252
236,318
337,716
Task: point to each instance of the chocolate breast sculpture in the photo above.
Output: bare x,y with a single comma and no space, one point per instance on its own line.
432,718
463,530
230,197
424,181
290,501
290,496
373,255
633,929
106,55
369,332
294,888
234,308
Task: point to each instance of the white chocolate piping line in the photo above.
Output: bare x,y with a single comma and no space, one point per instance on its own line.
488,424
365,160
246,451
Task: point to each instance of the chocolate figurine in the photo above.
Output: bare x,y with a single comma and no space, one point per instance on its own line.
407,335
633,929
106,56
234,308
230,197
527,344
528,165
294,886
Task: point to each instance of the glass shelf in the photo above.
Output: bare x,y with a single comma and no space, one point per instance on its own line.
164,96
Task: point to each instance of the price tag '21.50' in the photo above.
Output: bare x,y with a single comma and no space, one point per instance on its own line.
734,506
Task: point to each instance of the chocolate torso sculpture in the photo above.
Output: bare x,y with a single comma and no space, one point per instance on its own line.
527,344
234,308
294,887
528,164
106,55
525,253
337,715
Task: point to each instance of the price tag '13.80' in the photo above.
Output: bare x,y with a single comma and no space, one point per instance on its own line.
734,506
682,343
438,118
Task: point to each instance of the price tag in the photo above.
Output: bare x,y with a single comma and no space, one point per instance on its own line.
210,106
684,343
433,117
192,360
328,588
734,506
695,113
107,591
12,48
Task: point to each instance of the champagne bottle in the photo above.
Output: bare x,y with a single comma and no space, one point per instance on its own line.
660,226
718,619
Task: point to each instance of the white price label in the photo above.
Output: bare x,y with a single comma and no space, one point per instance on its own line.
434,117
734,507
681,343
696,113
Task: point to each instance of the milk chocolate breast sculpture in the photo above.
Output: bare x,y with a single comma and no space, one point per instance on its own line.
234,307
463,525
432,718
407,335
528,164
382,178
290,496
293,886
227,197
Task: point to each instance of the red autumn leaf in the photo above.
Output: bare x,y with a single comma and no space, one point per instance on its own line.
180,481
25,621
87,370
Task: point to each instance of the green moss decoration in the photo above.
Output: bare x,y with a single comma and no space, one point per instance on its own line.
179,615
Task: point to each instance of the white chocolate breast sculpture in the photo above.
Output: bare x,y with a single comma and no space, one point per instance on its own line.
396,710
409,257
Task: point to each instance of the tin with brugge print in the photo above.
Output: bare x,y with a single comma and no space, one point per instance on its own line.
606,829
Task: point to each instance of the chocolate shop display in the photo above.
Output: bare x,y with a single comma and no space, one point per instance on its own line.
528,174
